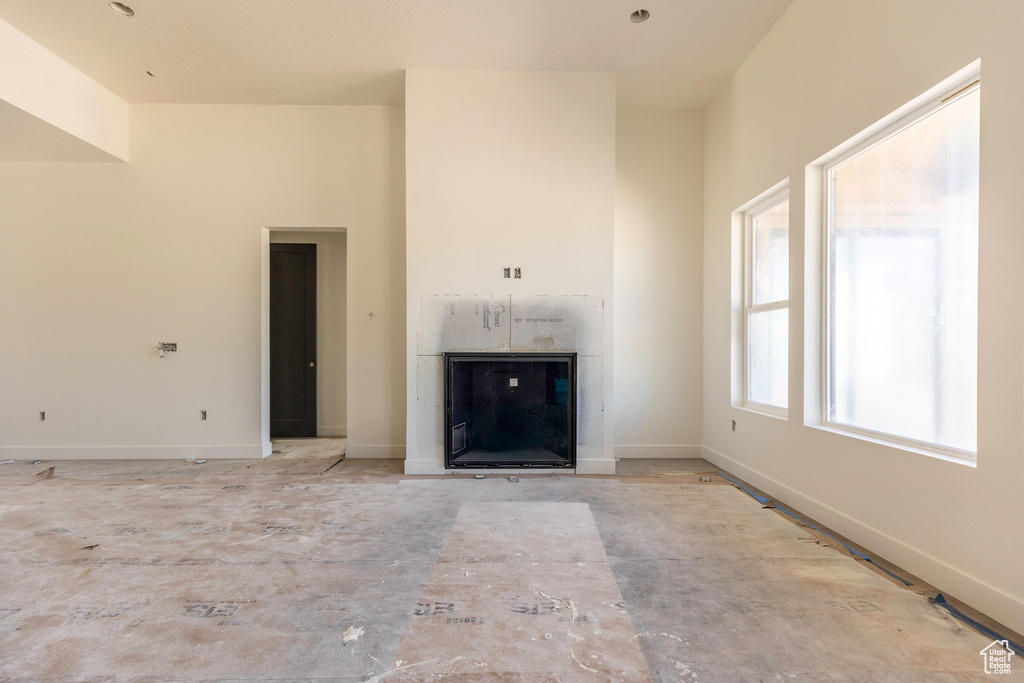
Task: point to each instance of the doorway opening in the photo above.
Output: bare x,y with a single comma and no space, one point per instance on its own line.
304,334
293,329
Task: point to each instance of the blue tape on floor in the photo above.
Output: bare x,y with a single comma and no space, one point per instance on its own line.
762,500
940,600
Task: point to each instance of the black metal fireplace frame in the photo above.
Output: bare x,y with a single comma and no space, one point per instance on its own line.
454,357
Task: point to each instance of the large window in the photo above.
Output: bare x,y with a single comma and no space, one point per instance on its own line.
902,276
766,316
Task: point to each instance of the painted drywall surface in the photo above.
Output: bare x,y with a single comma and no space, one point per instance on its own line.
825,72
102,261
658,282
38,82
331,381
508,169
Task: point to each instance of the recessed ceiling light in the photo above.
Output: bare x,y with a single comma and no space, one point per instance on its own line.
639,16
122,9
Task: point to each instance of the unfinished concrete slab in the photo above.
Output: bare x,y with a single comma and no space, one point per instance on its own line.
532,577
351,572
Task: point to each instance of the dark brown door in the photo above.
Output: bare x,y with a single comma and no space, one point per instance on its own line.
292,340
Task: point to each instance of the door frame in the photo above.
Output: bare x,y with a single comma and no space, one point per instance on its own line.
264,236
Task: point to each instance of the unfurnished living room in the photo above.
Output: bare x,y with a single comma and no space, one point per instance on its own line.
493,340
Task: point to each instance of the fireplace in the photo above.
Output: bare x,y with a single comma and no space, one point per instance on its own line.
509,410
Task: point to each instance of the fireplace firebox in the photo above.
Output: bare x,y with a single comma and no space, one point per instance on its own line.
510,410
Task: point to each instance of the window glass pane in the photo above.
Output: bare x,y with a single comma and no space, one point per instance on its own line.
904,282
771,254
768,357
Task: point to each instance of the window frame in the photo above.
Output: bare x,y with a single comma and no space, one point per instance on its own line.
773,200
948,96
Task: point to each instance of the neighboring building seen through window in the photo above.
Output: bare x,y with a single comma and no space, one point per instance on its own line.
902,263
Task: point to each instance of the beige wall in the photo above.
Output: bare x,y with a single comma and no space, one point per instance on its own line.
67,115
102,261
825,72
658,283
331,380
507,169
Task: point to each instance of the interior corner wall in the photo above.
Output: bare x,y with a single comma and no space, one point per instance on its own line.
331,353
825,72
67,115
659,230
508,169
102,261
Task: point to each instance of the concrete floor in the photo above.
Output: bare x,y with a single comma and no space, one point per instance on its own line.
304,567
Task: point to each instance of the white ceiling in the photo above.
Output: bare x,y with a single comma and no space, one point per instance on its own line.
354,51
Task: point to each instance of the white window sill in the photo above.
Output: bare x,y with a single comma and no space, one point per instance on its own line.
768,411
948,456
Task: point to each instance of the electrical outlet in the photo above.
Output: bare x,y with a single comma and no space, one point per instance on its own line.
519,273
202,415
734,425
42,416
508,273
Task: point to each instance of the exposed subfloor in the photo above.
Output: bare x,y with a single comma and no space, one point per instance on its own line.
304,567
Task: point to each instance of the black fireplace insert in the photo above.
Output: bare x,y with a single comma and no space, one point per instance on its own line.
509,410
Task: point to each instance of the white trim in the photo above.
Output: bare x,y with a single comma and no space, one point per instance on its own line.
773,306
255,451
332,431
264,235
983,596
658,451
895,441
268,449
375,451
766,410
894,124
773,198
953,89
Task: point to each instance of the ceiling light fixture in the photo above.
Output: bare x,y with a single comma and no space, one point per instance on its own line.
639,16
122,9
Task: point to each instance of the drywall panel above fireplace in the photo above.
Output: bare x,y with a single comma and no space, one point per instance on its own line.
463,323
558,323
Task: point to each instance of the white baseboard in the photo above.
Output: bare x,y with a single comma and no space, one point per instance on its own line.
133,452
374,451
659,451
332,431
983,596
268,449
